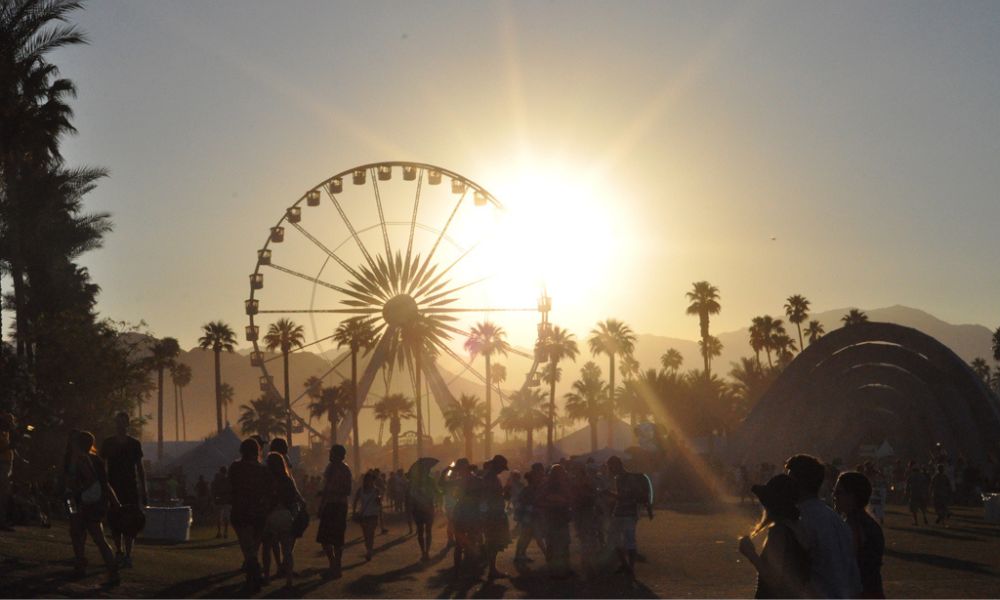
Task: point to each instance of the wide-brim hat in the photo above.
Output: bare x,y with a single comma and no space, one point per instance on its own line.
780,490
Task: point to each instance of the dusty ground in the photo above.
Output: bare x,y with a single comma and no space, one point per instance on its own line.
689,552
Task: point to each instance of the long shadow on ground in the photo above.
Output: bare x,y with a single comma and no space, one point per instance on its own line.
944,562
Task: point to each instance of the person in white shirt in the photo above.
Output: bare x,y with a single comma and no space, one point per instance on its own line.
833,567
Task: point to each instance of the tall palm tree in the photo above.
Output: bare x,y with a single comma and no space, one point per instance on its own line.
981,368
525,412
487,339
758,337
797,311
589,400
768,329
163,355
631,397
854,317
463,418
357,334
704,299
226,395
394,408
557,344
710,348
334,403
264,416
671,360
613,338
180,375
814,331
283,335
784,346
314,388
217,337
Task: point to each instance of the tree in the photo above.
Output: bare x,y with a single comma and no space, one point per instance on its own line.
463,418
671,360
180,375
524,412
764,332
283,335
797,311
264,416
218,337
557,344
612,338
982,369
226,395
758,338
710,348
704,299
334,403
632,397
854,317
814,331
589,400
164,353
996,345
784,346
750,381
394,408
357,334
487,339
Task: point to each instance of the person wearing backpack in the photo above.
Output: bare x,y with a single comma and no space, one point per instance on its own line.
88,498
631,490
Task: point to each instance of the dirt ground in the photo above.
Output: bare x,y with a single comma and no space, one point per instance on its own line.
687,551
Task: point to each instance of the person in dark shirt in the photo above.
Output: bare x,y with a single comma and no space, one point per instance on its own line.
285,503
88,498
850,496
942,491
252,488
222,501
630,491
917,491
556,500
123,455
337,481
496,528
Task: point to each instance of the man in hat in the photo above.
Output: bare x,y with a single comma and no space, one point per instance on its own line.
496,529
127,477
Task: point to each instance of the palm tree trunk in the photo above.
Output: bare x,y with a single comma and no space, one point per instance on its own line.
20,310
769,363
333,430
288,400
177,415
470,437
354,413
611,409
593,435
218,389
159,415
184,426
395,452
799,327
531,443
488,442
550,433
420,412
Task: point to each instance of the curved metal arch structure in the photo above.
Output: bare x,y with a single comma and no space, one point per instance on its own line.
866,384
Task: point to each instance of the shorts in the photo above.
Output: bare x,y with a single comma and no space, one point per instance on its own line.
622,532
279,523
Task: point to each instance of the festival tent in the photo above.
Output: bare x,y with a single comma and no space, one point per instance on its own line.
172,450
578,442
220,450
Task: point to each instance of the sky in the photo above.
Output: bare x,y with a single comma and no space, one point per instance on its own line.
844,151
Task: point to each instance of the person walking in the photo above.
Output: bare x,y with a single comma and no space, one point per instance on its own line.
222,499
917,492
337,482
827,538
555,498
123,455
88,498
286,503
421,496
630,491
530,517
496,529
851,495
942,491
463,487
782,564
252,488
370,499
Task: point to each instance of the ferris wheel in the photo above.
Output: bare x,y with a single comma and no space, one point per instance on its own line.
406,248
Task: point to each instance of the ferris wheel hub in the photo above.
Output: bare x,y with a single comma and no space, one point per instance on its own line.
400,310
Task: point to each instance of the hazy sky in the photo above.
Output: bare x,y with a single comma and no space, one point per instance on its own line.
670,141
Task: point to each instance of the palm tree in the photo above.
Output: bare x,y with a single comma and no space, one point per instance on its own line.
632,399
394,408
283,335
671,360
314,388
357,334
589,400
704,298
996,345
750,381
783,346
264,416
164,353
226,395
710,348
524,413
982,369
487,339
217,337
334,403
464,418
767,329
611,337
797,311
854,317
814,331
758,337
180,375
557,344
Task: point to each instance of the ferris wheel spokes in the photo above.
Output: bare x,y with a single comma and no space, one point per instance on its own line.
381,214
413,219
350,227
328,252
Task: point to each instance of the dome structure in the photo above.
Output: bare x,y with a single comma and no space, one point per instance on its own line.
866,384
